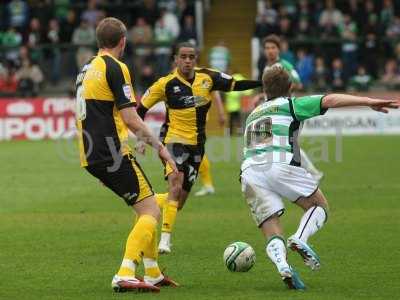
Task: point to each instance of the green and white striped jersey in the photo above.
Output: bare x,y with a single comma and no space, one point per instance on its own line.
272,129
288,67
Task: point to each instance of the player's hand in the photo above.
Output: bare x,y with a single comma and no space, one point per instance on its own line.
166,157
383,105
140,147
221,120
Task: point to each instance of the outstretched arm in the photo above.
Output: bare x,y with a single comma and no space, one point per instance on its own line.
242,85
344,100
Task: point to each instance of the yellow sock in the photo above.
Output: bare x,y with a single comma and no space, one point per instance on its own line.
139,238
169,215
205,171
161,199
150,257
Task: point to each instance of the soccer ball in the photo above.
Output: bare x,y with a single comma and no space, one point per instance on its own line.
239,257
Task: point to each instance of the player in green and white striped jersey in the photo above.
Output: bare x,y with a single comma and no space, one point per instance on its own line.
272,45
271,167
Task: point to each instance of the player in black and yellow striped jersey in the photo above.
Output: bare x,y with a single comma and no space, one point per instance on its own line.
186,93
105,112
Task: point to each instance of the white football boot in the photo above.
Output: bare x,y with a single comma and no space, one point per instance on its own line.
205,190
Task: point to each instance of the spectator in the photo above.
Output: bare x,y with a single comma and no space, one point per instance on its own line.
304,31
348,32
369,14
141,33
219,57
330,15
370,48
285,28
68,26
391,77
53,36
8,81
393,30
337,78
265,26
362,81
23,54
286,53
290,8
372,25
11,40
283,12
85,38
164,38
387,14
184,9
305,67
42,10
266,9
356,13
61,9
92,14
171,23
29,78
304,10
141,37
188,32
170,5
149,11
320,75
34,38
18,13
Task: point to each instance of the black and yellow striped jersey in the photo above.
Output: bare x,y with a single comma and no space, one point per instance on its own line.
187,103
103,87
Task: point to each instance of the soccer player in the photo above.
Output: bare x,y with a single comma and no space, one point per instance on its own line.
186,92
271,167
272,45
105,112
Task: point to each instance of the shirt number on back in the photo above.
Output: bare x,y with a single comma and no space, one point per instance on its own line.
259,133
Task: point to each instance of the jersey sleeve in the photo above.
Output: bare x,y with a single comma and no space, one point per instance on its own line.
119,81
307,107
294,76
154,94
221,81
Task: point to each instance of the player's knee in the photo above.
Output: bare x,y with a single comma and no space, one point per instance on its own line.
175,190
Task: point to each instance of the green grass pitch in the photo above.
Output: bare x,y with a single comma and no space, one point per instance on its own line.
62,234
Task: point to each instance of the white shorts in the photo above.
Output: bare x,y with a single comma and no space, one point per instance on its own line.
265,185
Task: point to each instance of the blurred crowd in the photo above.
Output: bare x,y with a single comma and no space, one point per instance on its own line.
336,45
43,41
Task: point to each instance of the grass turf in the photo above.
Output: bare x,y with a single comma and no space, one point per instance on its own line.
62,234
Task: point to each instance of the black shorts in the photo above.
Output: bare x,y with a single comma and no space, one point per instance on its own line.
187,159
128,181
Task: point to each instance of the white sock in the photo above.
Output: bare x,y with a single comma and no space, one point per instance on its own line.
311,222
276,251
307,164
165,238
